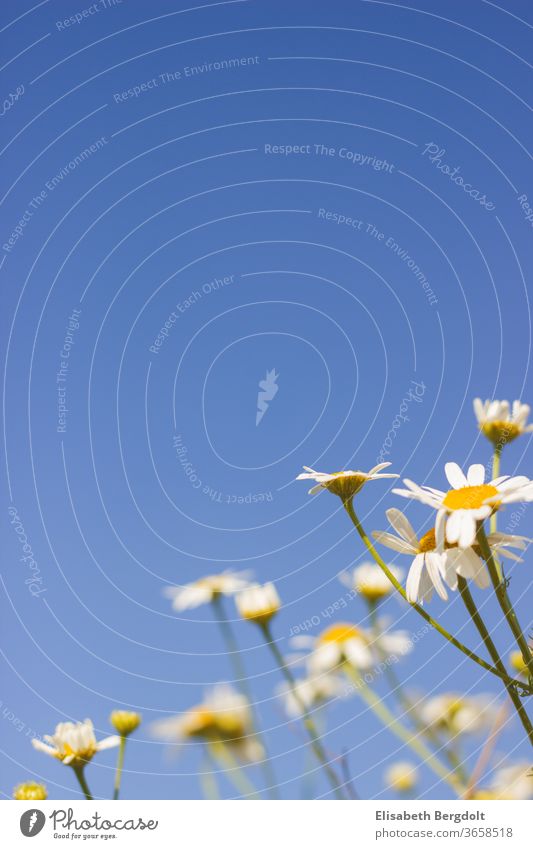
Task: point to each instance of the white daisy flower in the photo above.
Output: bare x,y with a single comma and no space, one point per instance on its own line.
430,568
370,581
344,484
513,782
344,642
74,743
402,776
456,714
470,500
499,422
258,603
205,589
224,716
311,692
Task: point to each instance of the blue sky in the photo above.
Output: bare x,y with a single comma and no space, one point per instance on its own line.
134,188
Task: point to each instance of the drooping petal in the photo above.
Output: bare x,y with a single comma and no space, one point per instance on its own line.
402,526
413,578
394,542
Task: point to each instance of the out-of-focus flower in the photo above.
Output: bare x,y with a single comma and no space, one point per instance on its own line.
499,423
513,782
311,692
224,716
470,500
74,743
402,776
370,581
455,714
258,603
30,791
205,589
125,721
344,484
346,643
431,568
518,663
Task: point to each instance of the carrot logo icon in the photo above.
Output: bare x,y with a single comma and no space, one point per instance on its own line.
32,822
268,389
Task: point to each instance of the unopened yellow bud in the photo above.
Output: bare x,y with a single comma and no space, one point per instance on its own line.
30,790
125,721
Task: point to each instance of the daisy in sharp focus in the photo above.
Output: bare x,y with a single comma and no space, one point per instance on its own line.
344,484
430,568
223,717
469,501
499,422
347,643
205,589
74,743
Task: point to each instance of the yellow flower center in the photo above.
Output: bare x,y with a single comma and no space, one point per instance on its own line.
427,542
501,432
339,633
469,497
346,485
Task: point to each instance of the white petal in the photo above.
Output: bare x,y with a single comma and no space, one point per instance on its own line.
476,475
453,526
402,526
413,578
108,742
440,530
394,542
42,747
433,565
455,475
467,535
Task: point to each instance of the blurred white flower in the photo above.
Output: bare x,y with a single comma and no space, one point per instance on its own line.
469,501
74,743
499,423
346,643
513,782
205,589
311,692
344,484
457,714
431,568
370,581
402,776
224,716
258,603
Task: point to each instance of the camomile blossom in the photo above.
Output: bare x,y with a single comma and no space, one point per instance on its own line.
205,589
431,569
455,714
74,743
402,776
347,643
469,501
513,782
344,484
370,581
311,692
30,791
499,422
258,603
223,717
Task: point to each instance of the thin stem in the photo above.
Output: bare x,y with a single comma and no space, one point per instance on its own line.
207,776
78,772
408,706
493,651
120,765
241,680
420,610
308,723
500,589
222,753
405,734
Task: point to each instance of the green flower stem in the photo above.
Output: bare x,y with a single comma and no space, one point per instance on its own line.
241,680
222,753
78,772
405,702
429,619
388,719
493,651
504,600
308,723
120,765
207,777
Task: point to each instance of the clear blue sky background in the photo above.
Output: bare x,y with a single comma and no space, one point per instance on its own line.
180,192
